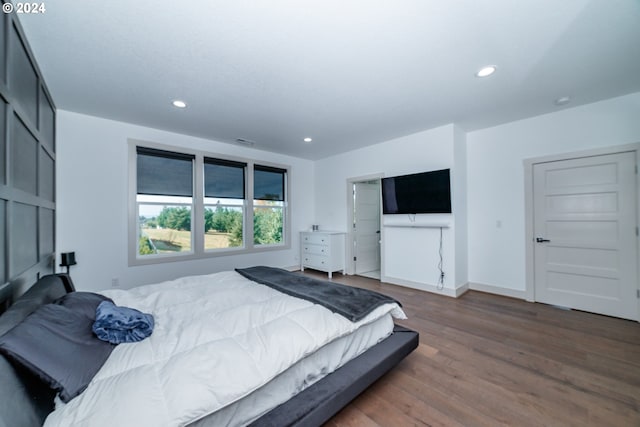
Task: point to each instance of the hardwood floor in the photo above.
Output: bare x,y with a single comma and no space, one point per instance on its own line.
486,360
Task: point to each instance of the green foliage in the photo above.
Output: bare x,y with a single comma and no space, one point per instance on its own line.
208,219
222,219
144,246
267,226
150,223
176,218
235,239
225,220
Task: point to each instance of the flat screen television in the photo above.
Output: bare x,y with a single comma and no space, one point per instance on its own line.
418,193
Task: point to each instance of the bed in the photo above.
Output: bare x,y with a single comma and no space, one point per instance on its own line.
357,357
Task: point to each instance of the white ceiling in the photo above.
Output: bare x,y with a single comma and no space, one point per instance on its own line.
346,73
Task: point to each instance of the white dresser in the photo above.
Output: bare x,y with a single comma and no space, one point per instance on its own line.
322,250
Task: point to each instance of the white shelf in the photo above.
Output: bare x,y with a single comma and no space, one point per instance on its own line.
426,225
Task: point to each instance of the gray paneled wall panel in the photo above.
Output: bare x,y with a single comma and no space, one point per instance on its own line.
24,157
46,234
3,38
47,120
46,176
3,142
27,162
23,250
3,241
23,79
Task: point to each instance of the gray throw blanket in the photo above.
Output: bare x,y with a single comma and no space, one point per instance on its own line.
352,303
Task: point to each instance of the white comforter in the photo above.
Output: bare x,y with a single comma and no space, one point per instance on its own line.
217,338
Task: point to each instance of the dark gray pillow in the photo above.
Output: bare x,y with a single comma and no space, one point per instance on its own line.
57,344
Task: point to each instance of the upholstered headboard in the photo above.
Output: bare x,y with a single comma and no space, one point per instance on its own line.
5,297
24,399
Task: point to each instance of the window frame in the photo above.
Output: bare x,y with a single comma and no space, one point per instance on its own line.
198,208
243,205
257,206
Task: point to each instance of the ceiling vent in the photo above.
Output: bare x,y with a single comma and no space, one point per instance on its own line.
246,142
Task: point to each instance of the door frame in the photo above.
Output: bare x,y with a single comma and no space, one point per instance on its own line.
528,204
350,267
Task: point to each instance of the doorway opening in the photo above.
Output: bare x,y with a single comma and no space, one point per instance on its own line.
364,239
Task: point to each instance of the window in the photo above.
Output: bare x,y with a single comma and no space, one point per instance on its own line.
164,201
224,195
196,205
268,205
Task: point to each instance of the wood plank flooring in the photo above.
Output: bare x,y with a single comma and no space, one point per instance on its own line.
487,360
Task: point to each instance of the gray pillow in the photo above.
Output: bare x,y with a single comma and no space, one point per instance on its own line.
57,344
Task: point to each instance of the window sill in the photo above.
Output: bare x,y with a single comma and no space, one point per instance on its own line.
165,258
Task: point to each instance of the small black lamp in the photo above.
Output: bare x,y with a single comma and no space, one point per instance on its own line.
68,259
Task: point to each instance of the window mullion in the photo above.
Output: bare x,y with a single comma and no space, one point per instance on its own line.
249,207
197,211
286,230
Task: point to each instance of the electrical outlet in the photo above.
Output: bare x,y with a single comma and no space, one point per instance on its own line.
115,282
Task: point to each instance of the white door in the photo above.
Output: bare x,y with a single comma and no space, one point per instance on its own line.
586,251
366,226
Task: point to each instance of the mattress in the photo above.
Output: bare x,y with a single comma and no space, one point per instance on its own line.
300,376
225,350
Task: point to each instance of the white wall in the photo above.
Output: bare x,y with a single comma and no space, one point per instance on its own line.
489,213
459,205
409,255
91,184
495,179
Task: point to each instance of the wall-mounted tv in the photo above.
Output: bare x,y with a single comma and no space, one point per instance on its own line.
418,193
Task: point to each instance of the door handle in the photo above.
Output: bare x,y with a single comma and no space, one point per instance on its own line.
541,240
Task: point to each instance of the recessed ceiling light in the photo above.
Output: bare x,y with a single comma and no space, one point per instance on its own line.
307,139
486,71
179,104
563,100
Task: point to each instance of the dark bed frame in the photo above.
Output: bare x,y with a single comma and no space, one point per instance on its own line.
26,402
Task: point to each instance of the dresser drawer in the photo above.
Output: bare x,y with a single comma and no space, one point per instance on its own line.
318,239
318,261
315,249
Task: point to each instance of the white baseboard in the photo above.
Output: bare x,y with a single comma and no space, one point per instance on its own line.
462,289
506,292
453,293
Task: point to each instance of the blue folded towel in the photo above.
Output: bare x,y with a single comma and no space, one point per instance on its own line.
121,324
